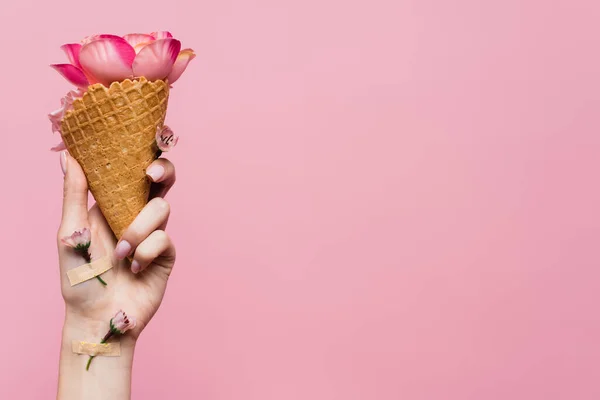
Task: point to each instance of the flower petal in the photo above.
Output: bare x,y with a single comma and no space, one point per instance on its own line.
165,138
72,51
108,59
59,147
122,323
156,60
91,38
66,104
184,57
79,240
161,35
138,40
55,118
56,123
72,74
67,241
140,46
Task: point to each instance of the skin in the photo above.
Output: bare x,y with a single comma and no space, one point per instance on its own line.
136,287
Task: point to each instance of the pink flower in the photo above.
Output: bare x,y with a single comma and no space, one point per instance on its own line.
121,323
79,240
66,104
109,58
165,138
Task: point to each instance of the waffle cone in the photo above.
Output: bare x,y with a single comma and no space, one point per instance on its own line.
111,133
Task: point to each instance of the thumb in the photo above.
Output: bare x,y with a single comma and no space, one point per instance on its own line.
75,196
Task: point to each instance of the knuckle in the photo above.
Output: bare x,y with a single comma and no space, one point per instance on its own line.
161,204
168,246
133,232
161,236
152,247
145,254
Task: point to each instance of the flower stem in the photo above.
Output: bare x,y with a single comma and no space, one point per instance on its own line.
106,337
87,367
86,255
88,259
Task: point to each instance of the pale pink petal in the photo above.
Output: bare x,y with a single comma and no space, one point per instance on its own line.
72,51
165,138
156,60
122,323
56,126
85,235
91,38
72,95
138,40
59,147
88,39
140,46
79,240
56,119
72,74
67,241
161,35
184,57
107,60
66,104
57,114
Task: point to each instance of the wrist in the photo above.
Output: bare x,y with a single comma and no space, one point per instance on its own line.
108,377
92,330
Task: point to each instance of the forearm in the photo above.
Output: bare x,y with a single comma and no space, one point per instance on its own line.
107,378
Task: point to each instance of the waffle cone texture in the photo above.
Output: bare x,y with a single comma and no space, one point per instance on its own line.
111,132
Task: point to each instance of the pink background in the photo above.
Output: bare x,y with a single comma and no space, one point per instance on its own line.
376,199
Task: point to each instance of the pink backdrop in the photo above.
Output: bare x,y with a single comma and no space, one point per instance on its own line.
376,199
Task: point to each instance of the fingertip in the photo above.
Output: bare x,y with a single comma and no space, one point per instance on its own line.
156,172
122,249
135,266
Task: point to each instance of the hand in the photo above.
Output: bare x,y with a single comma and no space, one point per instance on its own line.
137,287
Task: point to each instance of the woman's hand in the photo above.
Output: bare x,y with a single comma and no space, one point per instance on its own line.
137,287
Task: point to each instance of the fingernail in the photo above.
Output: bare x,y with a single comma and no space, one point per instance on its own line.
63,161
122,250
135,267
155,172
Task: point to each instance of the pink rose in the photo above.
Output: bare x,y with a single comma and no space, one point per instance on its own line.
108,58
